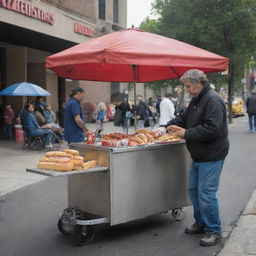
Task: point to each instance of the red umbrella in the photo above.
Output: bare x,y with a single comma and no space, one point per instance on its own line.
132,56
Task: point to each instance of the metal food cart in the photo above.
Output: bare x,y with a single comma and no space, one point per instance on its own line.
129,183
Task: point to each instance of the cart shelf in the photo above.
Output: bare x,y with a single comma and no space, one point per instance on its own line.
58,173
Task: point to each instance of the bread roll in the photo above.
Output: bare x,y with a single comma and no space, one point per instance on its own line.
150,137
64,167
143,137
77,167
80,158
137,139
71,151
89,164
142,131
77,162
55,159
133,143
58,153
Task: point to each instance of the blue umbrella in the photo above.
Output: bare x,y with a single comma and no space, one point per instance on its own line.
24,89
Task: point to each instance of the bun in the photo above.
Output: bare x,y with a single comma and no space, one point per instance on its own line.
80,158
143,137
150,137
55,159
133,143
71,151
77,162
89,164
64,167
137,139
58,153
142,131
77,167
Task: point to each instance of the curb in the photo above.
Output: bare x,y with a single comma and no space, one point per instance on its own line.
242,240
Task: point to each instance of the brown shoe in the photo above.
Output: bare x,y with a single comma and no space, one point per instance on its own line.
195,229
210,239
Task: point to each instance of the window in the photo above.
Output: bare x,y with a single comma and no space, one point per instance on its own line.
115,11
102,9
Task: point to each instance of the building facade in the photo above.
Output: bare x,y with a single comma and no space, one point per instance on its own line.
31,30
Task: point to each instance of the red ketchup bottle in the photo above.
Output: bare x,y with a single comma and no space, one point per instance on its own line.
90,138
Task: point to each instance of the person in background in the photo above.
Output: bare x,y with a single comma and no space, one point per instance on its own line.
39,115
101,113
49,115
61,114
251,110
204,127
141,111
158,101
8,118
75,129
125,109
166,110
32,128
39,103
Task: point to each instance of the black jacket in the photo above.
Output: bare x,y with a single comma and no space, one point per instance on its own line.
205,122
251,104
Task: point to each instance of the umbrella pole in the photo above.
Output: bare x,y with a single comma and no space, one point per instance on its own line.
135,103
134,70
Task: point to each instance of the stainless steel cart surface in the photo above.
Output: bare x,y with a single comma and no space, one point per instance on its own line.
129,183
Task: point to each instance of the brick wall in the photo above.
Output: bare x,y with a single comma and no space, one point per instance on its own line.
85,8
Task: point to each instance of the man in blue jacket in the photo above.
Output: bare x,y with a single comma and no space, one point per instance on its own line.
204,127
75,128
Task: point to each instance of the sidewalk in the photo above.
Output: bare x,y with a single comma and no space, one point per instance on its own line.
242,240
14,160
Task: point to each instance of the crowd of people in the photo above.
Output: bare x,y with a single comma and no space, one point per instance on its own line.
147,113
37,119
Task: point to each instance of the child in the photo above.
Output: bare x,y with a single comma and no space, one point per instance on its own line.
101,109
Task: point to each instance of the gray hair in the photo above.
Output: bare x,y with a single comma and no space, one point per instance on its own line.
194,76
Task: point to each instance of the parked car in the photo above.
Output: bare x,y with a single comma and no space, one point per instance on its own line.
238,107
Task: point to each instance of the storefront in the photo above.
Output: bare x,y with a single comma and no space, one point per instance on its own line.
32,30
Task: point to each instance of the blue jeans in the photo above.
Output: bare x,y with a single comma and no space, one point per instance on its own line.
8,131
252,122
47,134
203,184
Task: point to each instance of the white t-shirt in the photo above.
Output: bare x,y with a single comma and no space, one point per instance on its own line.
166,111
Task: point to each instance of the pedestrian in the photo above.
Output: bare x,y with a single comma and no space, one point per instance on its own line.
101,114
251,110
141,111
125,109
8,118
61,114
166,109
204,127
75,129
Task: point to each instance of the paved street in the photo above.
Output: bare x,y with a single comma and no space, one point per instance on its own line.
28,216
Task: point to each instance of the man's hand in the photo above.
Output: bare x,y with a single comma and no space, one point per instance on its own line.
176,130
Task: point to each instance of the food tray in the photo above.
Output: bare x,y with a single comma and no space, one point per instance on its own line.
169,141
61,173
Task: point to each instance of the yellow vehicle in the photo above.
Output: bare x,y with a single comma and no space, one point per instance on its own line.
238,107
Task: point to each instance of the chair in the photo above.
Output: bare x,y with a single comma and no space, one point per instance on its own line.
33,142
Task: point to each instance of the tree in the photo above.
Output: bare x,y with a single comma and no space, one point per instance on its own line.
225,27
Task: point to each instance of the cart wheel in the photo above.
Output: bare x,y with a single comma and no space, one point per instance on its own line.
83,235
178,214
64,229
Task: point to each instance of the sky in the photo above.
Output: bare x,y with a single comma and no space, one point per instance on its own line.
137,11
